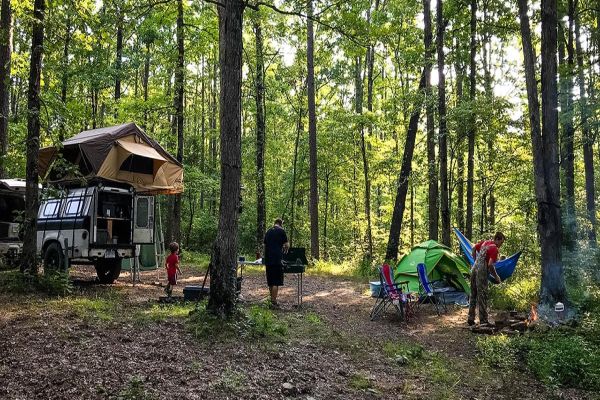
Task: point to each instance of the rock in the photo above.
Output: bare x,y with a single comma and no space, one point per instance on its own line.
401,360
288,389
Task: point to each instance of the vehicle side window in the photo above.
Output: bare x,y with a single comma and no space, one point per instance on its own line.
141,220
74,207
51,209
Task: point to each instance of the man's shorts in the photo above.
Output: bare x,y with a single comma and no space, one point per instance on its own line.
172,279
274,275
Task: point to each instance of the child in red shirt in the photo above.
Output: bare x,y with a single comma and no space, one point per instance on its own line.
172,266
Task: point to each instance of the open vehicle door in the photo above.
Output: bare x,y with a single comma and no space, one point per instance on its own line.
143,219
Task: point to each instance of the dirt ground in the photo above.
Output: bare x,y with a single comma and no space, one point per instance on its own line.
115,342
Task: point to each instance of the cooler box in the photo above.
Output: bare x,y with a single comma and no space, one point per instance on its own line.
194,292
376,289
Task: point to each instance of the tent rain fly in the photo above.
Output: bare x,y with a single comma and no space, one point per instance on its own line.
122,153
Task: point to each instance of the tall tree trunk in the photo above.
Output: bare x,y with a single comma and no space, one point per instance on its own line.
545,149
365,160
432,173
213,139
119,57
145,81
5,87
489,209
312,135
327,178
358,104
299,130
65,77
224,256
460,161
567,149
29,258
553,282
472,126
443,133
261,212
202,131
178,100
370,61
588,140
391,252
412,211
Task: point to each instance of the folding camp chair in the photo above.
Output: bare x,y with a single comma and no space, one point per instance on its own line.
390,294
427,293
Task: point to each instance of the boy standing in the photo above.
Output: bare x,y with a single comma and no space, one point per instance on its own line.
172,266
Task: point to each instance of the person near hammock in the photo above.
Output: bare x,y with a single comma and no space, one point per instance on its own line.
485,254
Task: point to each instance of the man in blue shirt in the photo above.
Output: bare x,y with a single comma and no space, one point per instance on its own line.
276,245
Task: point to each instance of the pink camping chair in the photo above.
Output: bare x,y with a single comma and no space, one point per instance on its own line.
390,294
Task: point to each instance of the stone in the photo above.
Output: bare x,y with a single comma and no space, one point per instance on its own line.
288,389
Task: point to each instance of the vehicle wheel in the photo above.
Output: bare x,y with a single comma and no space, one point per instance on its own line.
54,258
108,270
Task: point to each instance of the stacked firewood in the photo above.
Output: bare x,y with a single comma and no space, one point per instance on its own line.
509,323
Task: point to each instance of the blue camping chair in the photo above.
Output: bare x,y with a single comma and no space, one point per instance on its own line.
427,293
505,268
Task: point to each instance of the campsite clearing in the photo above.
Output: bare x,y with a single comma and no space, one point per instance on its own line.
108,342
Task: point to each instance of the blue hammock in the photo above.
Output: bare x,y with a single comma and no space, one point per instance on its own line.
505,268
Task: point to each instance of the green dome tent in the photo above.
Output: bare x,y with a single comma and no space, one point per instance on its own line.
440,263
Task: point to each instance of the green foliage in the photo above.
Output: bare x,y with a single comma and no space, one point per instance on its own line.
443,374
263,323
251,323
556,358
195,260
103,308
53,284
497,351
360,382
135,390
517,295
564,359
409,352
232,381
163,312
313,318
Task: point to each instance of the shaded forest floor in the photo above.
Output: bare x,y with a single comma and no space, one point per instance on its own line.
117,342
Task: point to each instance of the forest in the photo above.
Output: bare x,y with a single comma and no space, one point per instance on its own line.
368,126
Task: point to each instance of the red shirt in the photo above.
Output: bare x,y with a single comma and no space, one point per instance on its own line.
492,250
172,262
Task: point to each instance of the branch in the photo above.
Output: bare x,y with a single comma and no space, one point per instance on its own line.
218,3
352,38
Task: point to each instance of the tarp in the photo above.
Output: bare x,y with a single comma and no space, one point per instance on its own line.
122,153
440,263
505,268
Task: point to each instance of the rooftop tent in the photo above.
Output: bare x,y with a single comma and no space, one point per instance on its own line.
505,268
440,263
122,153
